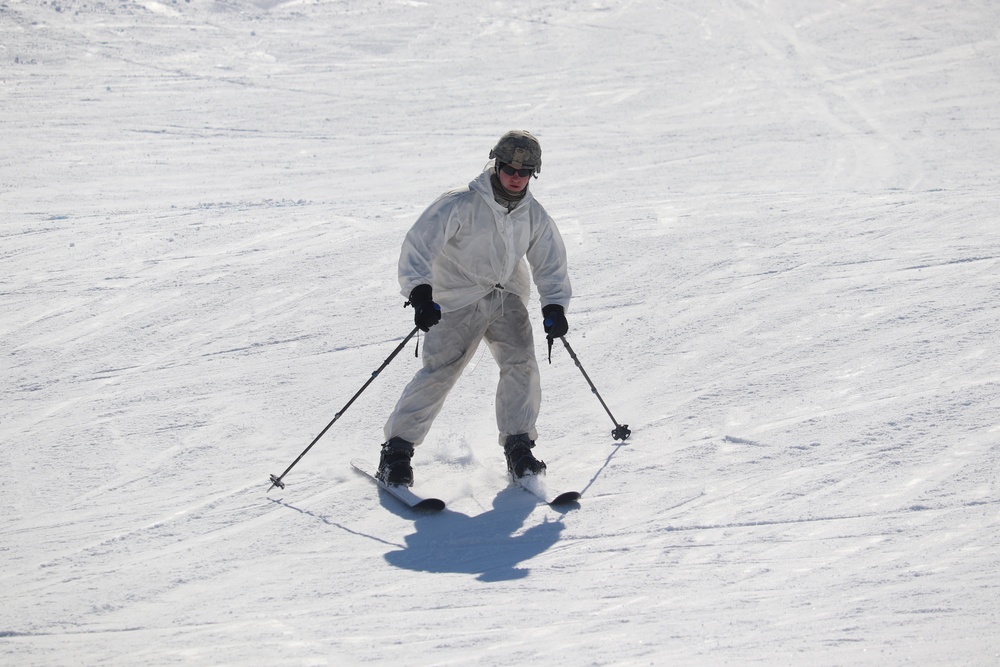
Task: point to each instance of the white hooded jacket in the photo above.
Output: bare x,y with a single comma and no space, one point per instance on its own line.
466,244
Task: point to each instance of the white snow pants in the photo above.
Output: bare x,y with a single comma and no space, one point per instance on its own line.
502,320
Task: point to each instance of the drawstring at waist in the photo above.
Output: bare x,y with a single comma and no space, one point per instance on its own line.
498,288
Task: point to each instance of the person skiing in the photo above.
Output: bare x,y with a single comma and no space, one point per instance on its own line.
462,267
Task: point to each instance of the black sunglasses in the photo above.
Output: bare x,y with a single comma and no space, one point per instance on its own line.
510,171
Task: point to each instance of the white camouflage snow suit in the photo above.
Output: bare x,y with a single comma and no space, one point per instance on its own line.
471,250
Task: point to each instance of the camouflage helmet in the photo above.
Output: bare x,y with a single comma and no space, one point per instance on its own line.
519,149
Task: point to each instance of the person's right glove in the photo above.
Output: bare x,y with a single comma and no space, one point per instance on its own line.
555,322
426,313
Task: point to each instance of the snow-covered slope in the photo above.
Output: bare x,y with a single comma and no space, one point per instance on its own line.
781,219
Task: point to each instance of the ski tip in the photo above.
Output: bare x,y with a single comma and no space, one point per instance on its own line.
565,498
430,505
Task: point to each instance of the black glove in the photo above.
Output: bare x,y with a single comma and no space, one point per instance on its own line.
555,322
426,313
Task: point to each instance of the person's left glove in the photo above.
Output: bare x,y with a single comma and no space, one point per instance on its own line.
555,322
426,313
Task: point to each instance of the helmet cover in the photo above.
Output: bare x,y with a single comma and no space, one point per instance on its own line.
520,149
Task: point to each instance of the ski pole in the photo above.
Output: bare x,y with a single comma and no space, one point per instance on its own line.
276,481
621,431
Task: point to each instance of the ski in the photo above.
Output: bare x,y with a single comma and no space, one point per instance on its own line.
566,498
534,486
402,493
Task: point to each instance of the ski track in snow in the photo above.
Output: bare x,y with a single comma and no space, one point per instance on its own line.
782,235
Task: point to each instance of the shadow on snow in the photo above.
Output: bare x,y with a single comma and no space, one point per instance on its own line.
484,544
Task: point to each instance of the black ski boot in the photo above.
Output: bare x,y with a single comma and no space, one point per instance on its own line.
520,461
394,465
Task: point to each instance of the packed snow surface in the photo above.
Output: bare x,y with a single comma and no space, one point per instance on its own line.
781,217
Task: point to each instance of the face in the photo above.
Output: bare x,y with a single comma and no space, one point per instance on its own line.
513,182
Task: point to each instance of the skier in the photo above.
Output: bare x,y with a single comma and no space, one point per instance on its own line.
462,267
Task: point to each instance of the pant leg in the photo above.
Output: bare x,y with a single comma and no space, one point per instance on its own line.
519,393
448,348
